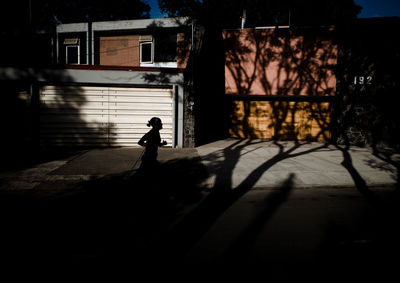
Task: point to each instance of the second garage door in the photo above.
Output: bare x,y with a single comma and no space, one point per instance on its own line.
91,115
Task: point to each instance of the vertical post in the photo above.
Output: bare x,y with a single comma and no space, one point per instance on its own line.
243,17
178,115
35,116
57,57
175,116
89,44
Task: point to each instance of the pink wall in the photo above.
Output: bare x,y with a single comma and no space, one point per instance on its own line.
265,61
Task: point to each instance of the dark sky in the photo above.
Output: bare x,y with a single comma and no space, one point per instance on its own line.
154,12
371,8
379,8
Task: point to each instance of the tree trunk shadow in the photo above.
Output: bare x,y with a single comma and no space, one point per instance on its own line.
195,224
359,182
238,251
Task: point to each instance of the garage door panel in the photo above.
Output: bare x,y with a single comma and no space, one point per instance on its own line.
129,119
132,142
123,128
141,99
140,106
137,135
78,100
48,131
87,115
164,136
69,111
88,118
137,113
74,107
72,126
139,91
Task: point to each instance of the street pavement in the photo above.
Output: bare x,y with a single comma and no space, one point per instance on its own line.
293,209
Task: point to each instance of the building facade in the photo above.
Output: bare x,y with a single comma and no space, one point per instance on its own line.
280,82
110,78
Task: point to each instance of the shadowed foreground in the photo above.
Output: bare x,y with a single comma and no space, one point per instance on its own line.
110,221
168,218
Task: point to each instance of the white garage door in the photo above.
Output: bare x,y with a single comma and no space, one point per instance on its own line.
90,115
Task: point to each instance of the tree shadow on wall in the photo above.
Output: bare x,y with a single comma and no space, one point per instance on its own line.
43,121
280,83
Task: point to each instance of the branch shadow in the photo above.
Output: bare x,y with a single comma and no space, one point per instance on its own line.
222,196
237,253
388,156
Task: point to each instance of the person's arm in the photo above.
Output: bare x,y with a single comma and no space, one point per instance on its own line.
143,140
163,143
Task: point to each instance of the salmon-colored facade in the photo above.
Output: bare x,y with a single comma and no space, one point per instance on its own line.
274,66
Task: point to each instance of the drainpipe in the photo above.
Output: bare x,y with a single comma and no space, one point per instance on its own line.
243,17
90,45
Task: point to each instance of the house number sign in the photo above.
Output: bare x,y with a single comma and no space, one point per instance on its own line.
360,80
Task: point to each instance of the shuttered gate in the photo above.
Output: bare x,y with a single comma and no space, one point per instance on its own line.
109,116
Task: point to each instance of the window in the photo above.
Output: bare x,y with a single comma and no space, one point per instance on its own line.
158,50
146,52
72,54
165,47
72,51
146,49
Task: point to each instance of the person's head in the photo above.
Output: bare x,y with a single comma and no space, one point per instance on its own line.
155,122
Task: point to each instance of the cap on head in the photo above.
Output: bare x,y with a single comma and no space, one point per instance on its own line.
154,121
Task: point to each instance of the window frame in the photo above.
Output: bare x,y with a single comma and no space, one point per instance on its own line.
79,54
151,52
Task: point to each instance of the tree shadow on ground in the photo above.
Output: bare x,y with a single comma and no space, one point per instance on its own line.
111,221
367,251
238,251
222,196
129,220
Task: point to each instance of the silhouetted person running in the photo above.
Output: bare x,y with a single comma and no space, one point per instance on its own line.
151,140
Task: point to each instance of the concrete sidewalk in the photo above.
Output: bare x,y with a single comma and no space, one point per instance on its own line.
230,162
84,166
268,164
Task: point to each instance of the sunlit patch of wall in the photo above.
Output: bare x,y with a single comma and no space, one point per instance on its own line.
284,120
